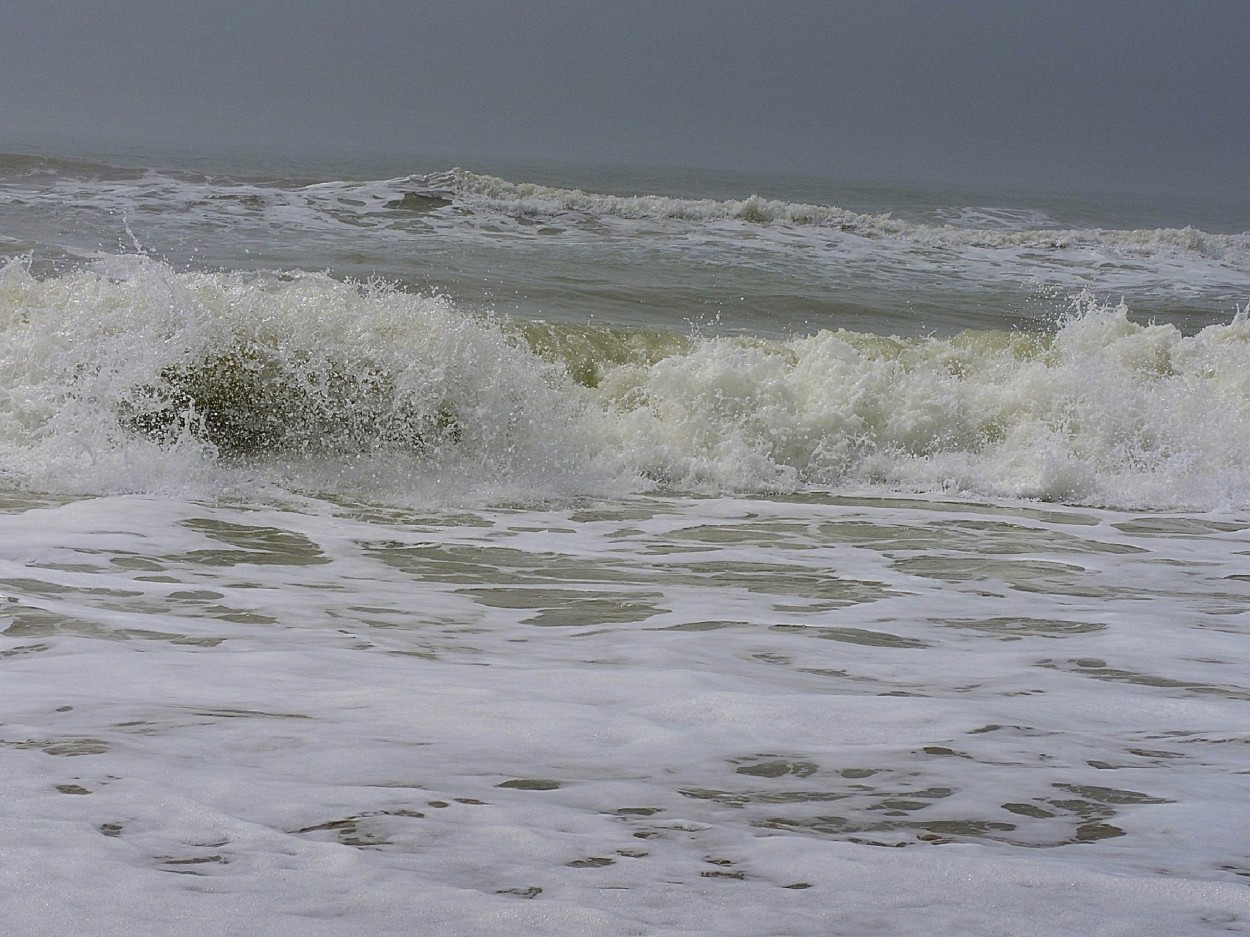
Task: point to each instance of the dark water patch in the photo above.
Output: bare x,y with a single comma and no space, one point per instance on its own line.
741,799
901,833
1155,755
1112,795
724,798
134,562
1012,628
966,535
1022,575
349,832
374,828
754,532
777,579
224,713
562,607
1013,730
141,727
405,518
1029,810
23,649
888,504
619,512
1178,526
1034,833
248,199
795,797
41,587
253,545
848,682
696,626
72,567
999,537
189,865
894,807
590,862
18,502
532,892
1099,670
942,751
420,202
533,529
531,784
462,563
859,636
596,611
671,549
775,766
587,353
257,399
238,616
879,536
1093,832
964,829
27,622
64,747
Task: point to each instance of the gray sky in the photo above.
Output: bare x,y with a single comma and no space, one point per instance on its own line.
1094,92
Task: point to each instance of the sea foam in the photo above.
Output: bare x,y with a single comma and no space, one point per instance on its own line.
130,375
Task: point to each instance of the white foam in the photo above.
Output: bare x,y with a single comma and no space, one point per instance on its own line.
81,350
646,716
1104,411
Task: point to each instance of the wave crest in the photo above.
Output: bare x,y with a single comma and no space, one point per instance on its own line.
131,376
484,191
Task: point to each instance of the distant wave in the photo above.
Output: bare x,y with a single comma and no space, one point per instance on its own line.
461,189
484,191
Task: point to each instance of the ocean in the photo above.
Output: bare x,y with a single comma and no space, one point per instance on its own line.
550,550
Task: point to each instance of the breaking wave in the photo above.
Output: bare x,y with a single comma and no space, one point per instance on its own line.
131,376
483,191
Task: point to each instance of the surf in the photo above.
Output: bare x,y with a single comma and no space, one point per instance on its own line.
128,375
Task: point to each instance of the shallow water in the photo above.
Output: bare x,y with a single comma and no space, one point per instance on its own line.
651,713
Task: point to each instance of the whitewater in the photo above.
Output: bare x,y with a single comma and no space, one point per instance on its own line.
452,554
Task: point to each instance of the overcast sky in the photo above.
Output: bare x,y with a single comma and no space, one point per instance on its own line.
1095,91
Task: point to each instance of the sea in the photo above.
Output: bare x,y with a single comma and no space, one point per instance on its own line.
533,549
